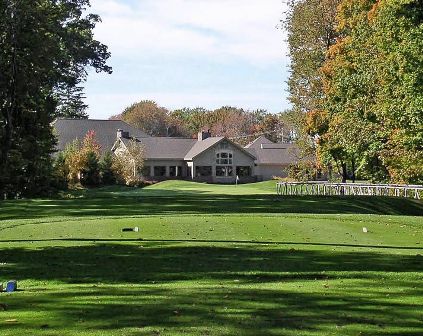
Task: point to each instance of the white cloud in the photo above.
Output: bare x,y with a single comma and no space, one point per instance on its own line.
217,52
220,29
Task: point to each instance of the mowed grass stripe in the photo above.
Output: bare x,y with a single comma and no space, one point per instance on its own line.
285,230
197,199
211,260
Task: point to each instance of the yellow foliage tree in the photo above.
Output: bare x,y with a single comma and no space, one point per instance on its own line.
78,156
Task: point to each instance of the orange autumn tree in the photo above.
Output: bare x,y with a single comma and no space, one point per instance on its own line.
82,160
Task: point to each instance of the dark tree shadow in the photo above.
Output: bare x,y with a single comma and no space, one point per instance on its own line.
198,203
246,289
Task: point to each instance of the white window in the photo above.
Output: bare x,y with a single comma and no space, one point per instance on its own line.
224,158
224,171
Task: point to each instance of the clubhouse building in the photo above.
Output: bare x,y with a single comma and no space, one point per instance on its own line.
204,159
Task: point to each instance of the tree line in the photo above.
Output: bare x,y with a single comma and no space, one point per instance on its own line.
236,123
356,85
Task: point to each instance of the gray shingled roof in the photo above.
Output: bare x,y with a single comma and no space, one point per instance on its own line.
270,153
284,155
258,142
165,148
201,146
68,130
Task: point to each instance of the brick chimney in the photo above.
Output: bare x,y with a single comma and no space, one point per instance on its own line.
203,135
121,134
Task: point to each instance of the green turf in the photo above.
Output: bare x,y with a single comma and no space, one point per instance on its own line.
211,260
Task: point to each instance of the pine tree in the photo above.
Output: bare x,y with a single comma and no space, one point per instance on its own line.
106,169
45,48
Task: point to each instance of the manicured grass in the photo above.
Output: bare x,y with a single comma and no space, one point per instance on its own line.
211,260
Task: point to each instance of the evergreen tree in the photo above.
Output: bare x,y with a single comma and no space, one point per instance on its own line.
106,169
91,171
45,48
61,172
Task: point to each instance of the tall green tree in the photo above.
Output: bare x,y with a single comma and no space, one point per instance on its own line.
311,27
374,88
398,40
45,49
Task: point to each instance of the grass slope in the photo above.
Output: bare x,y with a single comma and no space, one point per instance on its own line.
211,260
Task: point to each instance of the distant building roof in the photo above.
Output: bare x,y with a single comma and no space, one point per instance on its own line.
258,142
261,149
270,153
165,148
67,130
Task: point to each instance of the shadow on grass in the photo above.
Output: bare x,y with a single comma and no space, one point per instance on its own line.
190,241
247,290
164,262
240,311
198,203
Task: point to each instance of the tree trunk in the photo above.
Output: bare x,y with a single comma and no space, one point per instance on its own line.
353,170
344,172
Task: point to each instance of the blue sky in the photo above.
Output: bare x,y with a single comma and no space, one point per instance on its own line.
188,53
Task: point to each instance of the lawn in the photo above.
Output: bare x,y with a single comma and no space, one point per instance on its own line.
211,260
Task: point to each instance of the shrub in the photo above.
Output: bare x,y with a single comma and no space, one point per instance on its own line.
107,175
302,171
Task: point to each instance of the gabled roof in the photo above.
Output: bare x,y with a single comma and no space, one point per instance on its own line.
270,153
67,130
258,142
276,154
201,146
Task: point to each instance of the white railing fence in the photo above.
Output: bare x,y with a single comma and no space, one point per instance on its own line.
348,189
